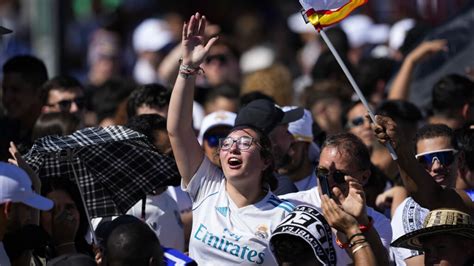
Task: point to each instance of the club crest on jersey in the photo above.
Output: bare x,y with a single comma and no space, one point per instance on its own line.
262,231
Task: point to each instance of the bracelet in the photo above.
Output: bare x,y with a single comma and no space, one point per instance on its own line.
359,248
185,71
355,235
357,242
365,228
340,244
65,244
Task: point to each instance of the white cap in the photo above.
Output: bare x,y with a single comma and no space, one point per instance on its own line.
218,118
301,129
151,35
378,33
257,58
398,32
15,186
357,28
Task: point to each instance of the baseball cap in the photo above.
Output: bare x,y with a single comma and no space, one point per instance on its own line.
315,232
218,118
264,115
301,129
15,186
4,30
151,35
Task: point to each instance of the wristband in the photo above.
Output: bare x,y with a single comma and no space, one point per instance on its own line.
185,71
365,228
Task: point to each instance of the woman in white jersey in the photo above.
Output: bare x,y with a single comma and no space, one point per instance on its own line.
234,211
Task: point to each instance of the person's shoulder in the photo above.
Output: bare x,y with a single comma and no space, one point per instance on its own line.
308,197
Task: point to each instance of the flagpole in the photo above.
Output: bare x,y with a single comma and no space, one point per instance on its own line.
354,85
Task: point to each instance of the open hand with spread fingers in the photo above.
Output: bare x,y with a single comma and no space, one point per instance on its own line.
194,40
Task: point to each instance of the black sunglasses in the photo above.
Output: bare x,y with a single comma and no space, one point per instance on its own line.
337,176
358,121
222,58
65,105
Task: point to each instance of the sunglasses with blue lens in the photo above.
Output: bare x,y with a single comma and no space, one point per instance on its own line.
445,157
213,139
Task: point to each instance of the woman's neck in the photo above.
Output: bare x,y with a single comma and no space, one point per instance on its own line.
245,195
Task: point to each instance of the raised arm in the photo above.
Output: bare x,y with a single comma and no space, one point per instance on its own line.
186,149
399,90
418,182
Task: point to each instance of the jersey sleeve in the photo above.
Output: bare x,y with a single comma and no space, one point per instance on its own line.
205,181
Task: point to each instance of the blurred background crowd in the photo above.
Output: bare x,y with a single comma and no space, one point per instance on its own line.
72,64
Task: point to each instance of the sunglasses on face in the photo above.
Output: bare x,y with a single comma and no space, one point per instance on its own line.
213,140
243,143
65,105
337,176
358,121
445,157
222,58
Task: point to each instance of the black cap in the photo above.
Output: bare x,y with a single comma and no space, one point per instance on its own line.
4,30
263,115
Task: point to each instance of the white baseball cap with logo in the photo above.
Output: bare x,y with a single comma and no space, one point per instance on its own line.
214,119
15,186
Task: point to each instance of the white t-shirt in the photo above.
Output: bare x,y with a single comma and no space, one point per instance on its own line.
4,259
162,215
224,234
306,183
185,204
408,217
381,223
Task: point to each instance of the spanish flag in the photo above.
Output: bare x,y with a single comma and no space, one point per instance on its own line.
321,18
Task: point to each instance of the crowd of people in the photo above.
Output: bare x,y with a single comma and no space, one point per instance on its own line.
275,169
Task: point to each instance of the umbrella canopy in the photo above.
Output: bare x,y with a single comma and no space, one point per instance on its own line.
113,167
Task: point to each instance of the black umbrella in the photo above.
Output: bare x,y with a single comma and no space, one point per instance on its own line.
113,167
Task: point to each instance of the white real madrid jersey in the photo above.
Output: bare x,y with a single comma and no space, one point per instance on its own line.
224,234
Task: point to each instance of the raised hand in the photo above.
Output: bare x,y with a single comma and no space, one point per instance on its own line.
426,49
354,203
385,129
337,217
193,43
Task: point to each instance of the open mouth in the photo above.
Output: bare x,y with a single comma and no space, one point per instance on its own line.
234,162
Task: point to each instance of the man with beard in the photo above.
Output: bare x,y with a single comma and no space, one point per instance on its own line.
303,155
270,119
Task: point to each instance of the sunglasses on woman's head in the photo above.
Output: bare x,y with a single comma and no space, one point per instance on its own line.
445,157
337,176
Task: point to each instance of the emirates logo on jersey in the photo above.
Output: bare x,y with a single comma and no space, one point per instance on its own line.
262,231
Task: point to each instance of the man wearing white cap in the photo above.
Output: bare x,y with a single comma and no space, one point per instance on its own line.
304,153
16,195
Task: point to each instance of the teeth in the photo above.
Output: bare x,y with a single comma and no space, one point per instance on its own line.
234,161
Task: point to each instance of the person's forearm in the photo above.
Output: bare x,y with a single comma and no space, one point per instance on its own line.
361,250
168,68
377,247
400,88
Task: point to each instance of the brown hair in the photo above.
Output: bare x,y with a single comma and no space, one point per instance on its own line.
274,81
